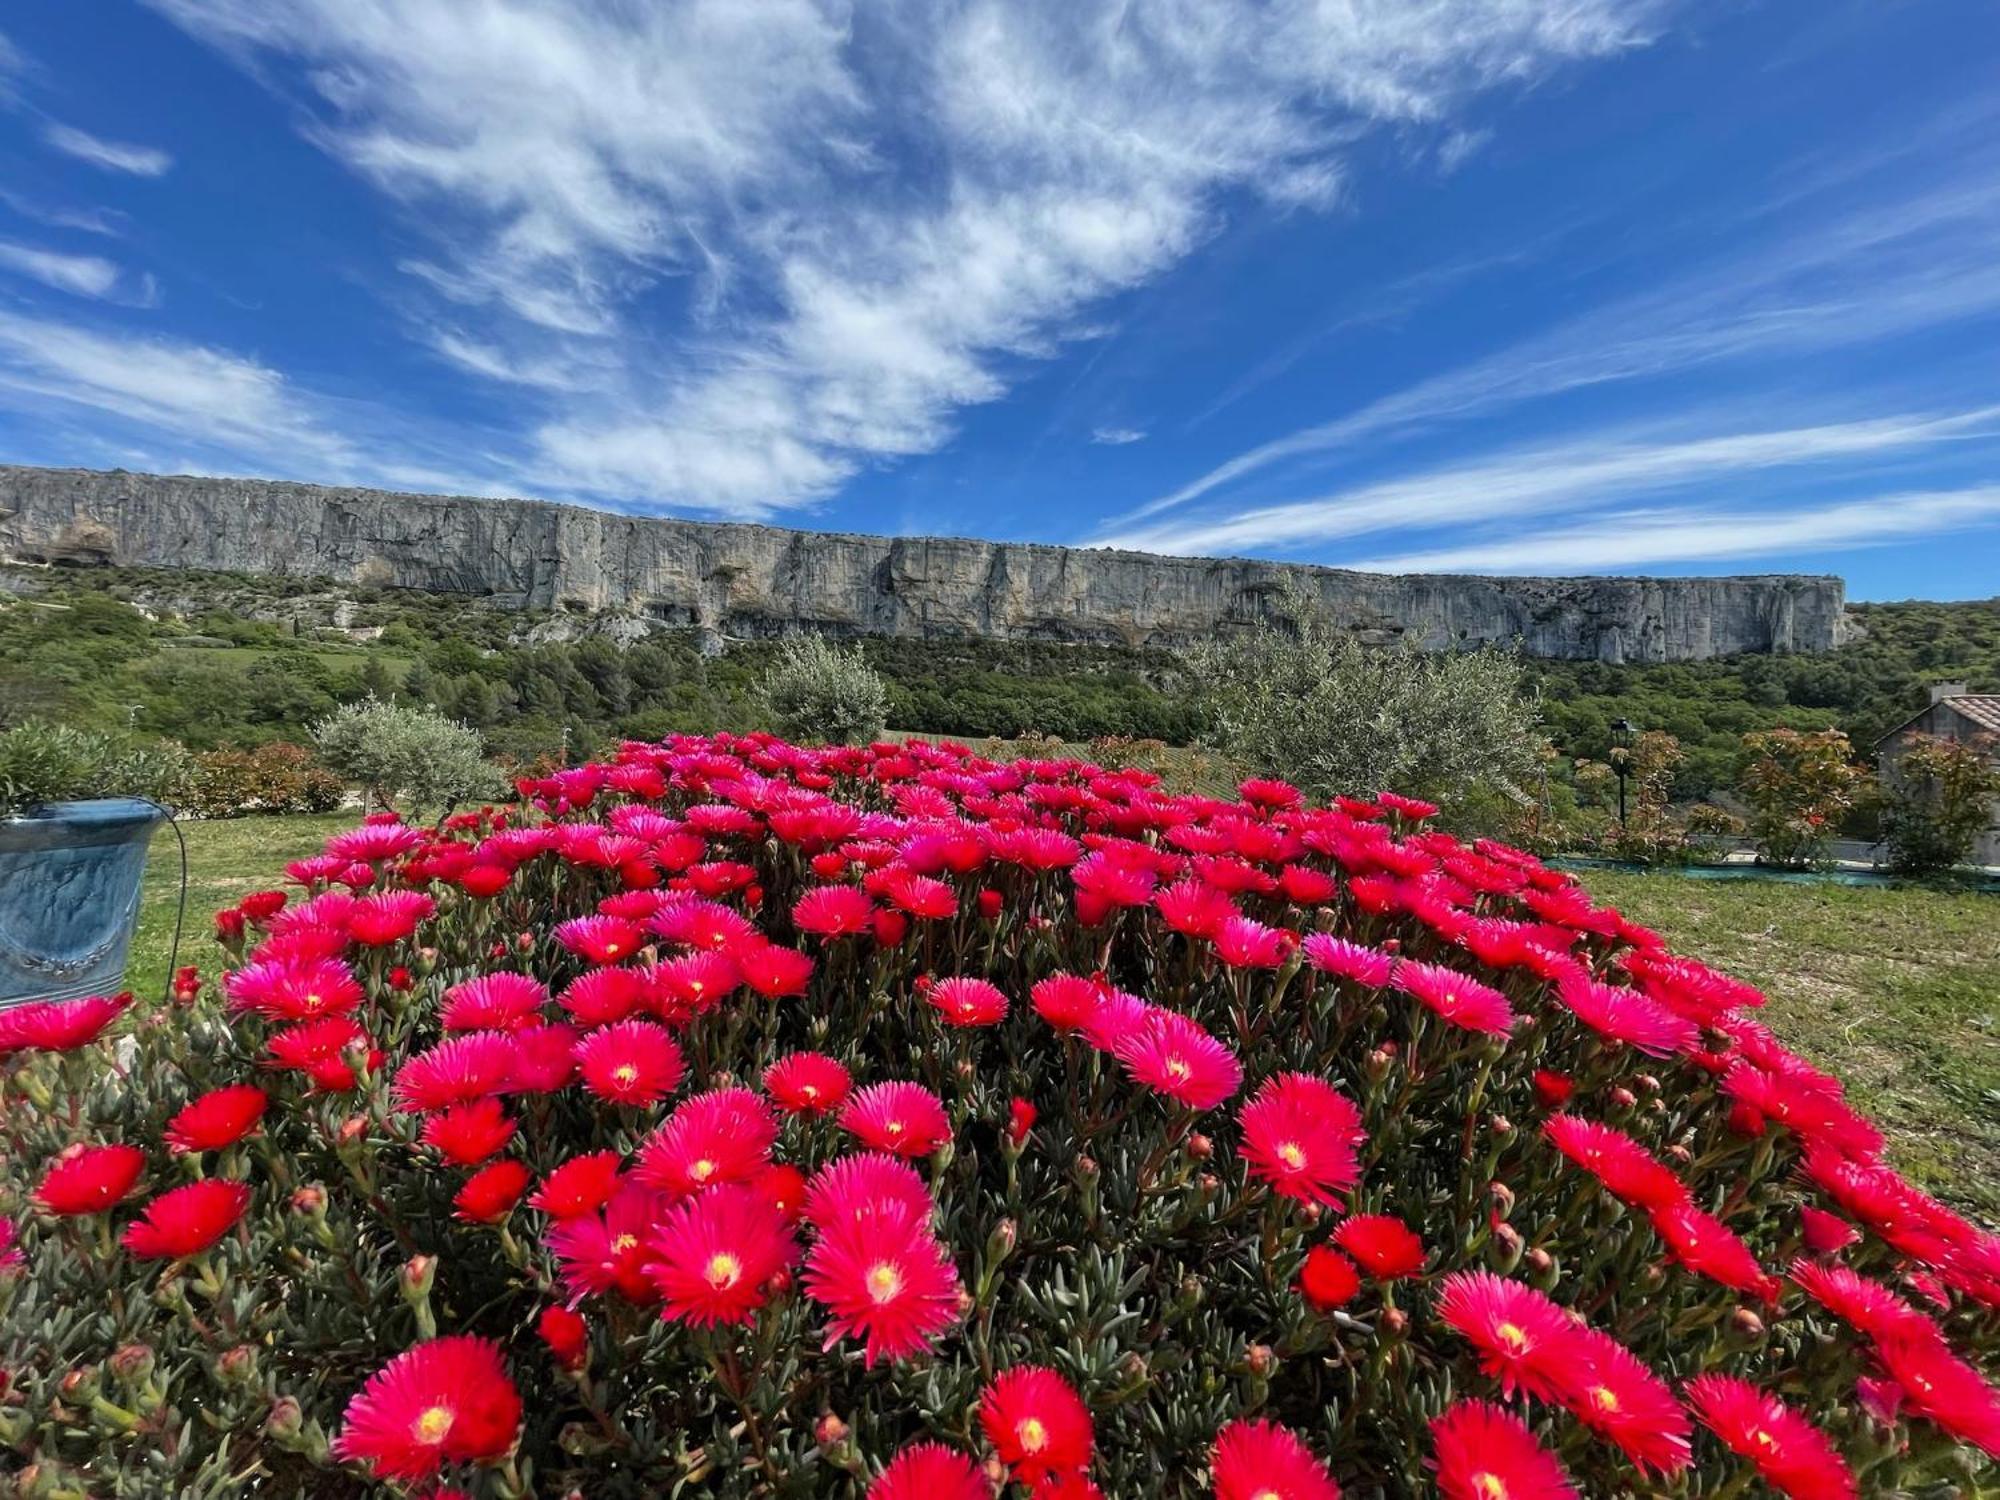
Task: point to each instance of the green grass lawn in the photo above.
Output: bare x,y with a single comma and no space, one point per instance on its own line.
1895,990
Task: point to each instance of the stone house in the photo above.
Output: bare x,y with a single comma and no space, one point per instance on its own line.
1953,714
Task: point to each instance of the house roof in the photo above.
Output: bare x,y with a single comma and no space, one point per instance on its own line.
1982,709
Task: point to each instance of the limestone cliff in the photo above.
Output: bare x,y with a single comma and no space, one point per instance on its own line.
740,580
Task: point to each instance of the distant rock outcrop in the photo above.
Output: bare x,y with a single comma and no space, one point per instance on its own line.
736,580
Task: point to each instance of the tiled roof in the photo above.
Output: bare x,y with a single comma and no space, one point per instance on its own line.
1982,708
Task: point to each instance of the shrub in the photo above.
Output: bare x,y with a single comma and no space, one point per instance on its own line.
789,1122
1799,785
41,762
1304,699
397,751
1938,801
273,778
819,693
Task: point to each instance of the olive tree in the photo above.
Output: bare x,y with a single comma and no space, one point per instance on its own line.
820,693
1299,697
402,751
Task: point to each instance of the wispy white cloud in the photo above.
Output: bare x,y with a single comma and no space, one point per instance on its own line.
695,203
1638,539
58,216
1117,436
1532,482
1913,257
111,156
81,275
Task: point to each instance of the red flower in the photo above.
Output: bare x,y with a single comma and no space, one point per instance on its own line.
1299,1135
1194,907
445,1401
544,1059
1940,1386
968,1002
1485,1452
1616,1396
784,1188
853,1187
919,895
1066,1001
1705,1245
1036,1422
691,985
89,1179
293,989
581,1185
490,1194
219,1118
388,917
1337,956
1243,943
1524,1340
1825,1233
1021,1117
1458,999
1262,1461
601,996
458,1069
724,1135
714,1256
187,1220
1626,1015
1862,1304
1553,1089
319,1050
833,910
58,1025
772,970
1170,1053
600,939
882,1278
1113,880
484,881
930,1471
1627,1169
602,1253
1794,1457
633,1063
807,1083
905,1119
469,1133
1384,1247
1328,1279
566,1334
494,1002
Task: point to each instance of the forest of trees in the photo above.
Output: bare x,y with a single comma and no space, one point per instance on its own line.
221,660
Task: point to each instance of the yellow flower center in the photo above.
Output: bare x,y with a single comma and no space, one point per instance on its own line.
885,1283
432,1424
723,1271
1267,1495
1033,1435
702,1170
1489,1486
1178,1070
1762,1438
894,1127
623,1243
809,1091
1604,1398
313,1001
611,950
1512,1335
625,1073
1291,1155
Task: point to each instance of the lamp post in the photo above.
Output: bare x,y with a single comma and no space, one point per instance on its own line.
1621,758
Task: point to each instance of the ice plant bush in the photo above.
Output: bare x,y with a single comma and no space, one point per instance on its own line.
888,1123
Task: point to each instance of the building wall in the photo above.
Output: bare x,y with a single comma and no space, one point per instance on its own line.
1942,722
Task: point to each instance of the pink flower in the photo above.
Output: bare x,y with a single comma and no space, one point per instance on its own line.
1300,1135
905,1119
1173,1055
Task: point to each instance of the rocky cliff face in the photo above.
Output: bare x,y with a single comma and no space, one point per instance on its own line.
757,580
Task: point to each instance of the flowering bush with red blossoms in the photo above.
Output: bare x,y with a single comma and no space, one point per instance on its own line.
739,1119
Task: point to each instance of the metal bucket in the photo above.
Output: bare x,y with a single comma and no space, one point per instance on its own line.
69,896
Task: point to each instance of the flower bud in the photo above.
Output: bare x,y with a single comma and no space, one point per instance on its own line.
1377,1064
1501,1126
1000,1243
995,1472
309,1201
1507,1246
132,1363
79,1384
287,1419
1623,1098
1021,1117
830,1431
524,942
237,1366
1200,1147
1539,1261
1260,1360
1393,1322
416,1277
1746,1324
1502,1198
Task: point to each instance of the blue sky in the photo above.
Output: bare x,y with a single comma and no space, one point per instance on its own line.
1523,286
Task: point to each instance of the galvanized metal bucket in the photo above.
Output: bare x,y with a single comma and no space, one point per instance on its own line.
69,896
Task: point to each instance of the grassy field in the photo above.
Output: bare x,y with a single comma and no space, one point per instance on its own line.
1896,990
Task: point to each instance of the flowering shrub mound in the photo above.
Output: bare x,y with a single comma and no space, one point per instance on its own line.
738,1119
